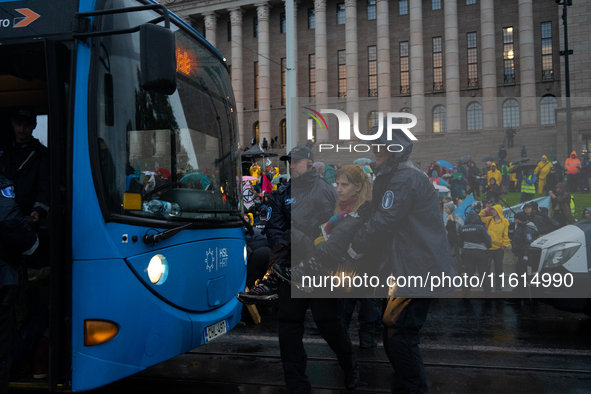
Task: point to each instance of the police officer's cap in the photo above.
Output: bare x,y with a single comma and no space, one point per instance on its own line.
297,153
25,115
521,216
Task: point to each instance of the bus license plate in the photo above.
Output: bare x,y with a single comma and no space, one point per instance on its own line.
215,330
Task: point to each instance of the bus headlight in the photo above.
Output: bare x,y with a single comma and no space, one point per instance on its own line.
245,255
559,254
158,269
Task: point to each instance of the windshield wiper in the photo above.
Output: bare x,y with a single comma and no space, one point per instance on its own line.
155,238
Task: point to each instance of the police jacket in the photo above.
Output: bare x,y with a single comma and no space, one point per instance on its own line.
17,237
27,165
405,232
305,203
525,234
473,235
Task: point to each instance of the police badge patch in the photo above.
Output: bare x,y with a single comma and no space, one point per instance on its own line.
8,192
269,210
388,200
529,237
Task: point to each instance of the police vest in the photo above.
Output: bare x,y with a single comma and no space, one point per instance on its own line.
526,187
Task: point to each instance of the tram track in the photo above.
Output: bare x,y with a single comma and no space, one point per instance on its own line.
427,364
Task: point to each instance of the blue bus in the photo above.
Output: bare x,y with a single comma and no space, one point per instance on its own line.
144,238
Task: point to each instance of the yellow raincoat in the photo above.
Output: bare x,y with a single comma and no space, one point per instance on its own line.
498,231
494,174
255,171
542,170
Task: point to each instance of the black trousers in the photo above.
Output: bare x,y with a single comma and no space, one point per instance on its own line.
7,333
258,263
476,259
404,318
327,315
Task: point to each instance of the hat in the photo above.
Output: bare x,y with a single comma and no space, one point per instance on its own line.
263,212
299,152
521,216
25,115
528,204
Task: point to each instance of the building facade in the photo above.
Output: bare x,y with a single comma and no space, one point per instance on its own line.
460,66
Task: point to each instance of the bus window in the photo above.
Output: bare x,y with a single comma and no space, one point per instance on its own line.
40,131
179,148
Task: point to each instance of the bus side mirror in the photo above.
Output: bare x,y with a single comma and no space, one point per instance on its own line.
157,59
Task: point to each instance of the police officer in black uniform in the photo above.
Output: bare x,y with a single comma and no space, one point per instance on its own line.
309,203
18,238
406,236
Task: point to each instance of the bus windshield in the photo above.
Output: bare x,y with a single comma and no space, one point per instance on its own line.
180,149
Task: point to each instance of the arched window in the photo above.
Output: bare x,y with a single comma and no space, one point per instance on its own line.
255,132
407,110
372,118
439,119
283,126
510,113
474,116
547,106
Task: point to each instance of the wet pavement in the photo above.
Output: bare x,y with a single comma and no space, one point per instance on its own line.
469,346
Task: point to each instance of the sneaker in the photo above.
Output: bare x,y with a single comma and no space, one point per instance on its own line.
41,361
260,293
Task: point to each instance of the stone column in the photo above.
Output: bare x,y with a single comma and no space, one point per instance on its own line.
452,67
321,61
417,74
529,117
211,19
237,84
383,49
489,65
264,73
352,56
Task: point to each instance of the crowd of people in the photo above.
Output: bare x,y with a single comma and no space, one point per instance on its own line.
341,212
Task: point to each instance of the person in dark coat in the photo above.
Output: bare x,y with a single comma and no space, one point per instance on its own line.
510,133
525,233
552,179
309,203
502,153
543,222
26,163
523,151
561,204
18,238
493,191
475,241
584,174
474,179
405,235
265,143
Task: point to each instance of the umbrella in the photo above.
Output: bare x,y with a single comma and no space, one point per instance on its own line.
445,164
256,152
276,180
464,160
494,159
165,173
361,162
523,167
249,178
196,176
520,160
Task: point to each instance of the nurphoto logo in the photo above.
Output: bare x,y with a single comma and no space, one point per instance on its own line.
393,122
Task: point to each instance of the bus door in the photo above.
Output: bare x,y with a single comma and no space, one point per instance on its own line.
37,75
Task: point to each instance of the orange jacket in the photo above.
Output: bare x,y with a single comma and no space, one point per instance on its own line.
571,165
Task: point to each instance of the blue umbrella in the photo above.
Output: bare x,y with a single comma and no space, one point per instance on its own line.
445,164
362,161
